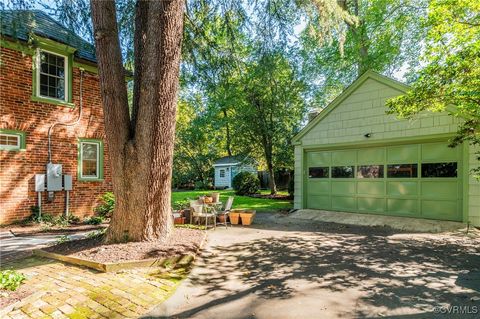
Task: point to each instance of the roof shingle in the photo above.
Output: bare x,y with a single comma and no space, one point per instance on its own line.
20,24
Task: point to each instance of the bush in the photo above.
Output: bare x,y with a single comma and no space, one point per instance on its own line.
246,183
10,279
94,220
105,209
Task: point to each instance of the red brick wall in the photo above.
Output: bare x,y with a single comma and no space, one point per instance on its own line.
18,168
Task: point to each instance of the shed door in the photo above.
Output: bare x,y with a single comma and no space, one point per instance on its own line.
414,180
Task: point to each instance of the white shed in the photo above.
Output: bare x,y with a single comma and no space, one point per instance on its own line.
226,168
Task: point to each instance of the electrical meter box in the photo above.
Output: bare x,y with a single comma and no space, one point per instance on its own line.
54,177
39,182
67,182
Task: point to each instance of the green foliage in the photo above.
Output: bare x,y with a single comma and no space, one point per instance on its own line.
245,183
386,37
63,239
107,205
291,187
10,279
450,80
94,220
97,234
181,204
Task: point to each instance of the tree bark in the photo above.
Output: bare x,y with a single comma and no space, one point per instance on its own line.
227,133
141,148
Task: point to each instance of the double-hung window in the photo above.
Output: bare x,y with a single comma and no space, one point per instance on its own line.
90,166
52,75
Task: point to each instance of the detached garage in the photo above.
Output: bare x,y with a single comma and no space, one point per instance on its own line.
353,157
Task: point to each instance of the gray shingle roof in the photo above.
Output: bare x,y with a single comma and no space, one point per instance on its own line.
232,160
19,24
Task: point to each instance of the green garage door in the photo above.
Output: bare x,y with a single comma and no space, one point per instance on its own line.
415,180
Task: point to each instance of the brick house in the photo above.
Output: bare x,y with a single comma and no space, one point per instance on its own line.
48,78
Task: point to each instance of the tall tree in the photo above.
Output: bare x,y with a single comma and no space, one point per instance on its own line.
385,36
270,109
140,146
450,80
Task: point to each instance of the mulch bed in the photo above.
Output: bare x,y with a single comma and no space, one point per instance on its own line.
269,196
8,297
36,229
181,241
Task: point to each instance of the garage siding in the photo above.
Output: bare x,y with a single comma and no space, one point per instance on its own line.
363,112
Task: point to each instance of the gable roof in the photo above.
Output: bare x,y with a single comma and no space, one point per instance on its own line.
20,24
346,93
232,160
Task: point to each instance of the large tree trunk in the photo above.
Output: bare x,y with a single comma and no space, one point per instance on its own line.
141,148
271,170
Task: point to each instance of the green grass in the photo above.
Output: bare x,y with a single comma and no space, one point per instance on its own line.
258,204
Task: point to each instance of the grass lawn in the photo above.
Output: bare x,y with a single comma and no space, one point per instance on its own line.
259,204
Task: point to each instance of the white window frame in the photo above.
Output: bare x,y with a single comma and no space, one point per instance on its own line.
12,147
97,144
224,173
66,80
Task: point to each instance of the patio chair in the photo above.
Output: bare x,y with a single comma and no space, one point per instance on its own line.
199,211
225,211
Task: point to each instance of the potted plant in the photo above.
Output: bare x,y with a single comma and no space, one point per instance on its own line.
181,211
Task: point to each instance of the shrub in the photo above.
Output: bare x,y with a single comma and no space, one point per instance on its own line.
10,279
94,220
105,209
246,183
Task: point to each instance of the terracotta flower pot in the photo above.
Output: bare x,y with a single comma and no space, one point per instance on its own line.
234,217
179,220
247,217
215,197
221,218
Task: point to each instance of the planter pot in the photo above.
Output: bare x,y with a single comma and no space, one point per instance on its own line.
247,217
215,197
221,218
234,217
179,220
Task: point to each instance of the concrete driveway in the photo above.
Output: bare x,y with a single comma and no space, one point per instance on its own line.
286,268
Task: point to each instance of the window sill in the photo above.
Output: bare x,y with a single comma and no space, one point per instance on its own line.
12,149
51,101
80,179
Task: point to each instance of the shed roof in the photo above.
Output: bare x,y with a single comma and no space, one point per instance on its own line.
232,160
20,24
346,93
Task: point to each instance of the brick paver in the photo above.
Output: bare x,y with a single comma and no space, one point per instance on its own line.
77,293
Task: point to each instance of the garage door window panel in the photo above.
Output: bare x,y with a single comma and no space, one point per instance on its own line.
370,171
343,171
439,169
402,171
318,172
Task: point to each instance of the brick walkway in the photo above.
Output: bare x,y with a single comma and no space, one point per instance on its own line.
75,292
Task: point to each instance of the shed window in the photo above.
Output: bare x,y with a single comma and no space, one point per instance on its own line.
91,159
402,170
439,169
370,171
318,172
51,78
343,172
222,173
